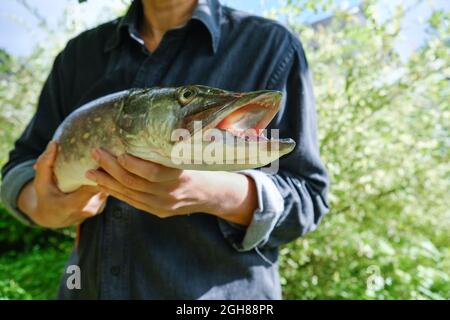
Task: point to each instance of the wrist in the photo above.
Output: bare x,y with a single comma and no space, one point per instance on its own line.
28,204
235,198
27,200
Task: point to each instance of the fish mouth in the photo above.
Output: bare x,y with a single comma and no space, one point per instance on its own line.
244,116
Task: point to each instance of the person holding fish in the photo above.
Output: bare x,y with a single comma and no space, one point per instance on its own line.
151,224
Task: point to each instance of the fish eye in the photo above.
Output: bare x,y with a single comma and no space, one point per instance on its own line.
187,95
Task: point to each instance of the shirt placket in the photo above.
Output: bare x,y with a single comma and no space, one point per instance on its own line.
115,271
156,64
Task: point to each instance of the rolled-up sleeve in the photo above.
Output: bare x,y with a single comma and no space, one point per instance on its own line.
292,201
12,184
270,208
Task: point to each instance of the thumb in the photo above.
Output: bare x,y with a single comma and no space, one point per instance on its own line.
94,205
44,165
83,194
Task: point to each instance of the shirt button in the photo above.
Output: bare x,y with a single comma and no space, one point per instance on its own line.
115,270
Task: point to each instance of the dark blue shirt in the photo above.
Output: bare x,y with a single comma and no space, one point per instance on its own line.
126,253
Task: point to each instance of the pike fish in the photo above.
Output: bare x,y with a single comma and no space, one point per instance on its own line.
161,125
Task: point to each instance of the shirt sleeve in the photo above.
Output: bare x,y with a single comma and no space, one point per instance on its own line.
12,184
292,201
33,141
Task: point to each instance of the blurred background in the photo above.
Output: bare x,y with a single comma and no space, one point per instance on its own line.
381,71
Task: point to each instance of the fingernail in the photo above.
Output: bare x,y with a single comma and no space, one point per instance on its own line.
90,174
95,154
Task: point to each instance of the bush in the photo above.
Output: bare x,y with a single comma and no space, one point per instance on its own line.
384,137
384,128
33,274
16,236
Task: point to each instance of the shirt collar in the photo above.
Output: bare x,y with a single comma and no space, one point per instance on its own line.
208,12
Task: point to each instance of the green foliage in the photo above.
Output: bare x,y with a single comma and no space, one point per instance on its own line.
385,137
31,259
33,274
21,80
384,131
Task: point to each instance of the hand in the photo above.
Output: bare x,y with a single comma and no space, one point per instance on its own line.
48,207
167,192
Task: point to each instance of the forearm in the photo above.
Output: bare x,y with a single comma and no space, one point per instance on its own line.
26,201
236,200
288,207
14,182
304,203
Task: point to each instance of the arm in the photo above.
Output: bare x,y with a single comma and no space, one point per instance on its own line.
44,204
291,202
167,192
254,209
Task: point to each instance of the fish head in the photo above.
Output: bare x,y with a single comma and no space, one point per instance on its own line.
155,122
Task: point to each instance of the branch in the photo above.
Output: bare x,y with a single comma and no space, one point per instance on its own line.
35,13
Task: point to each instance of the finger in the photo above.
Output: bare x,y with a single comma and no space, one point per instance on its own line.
148,170
73,221
137,204
109,163
81,196
44,166
104,179
144,197
100,210
95,205
89,189
122,178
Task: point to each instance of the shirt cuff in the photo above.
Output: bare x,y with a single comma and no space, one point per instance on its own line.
12,184
265,217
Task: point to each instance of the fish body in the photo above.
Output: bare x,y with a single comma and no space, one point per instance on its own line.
190,127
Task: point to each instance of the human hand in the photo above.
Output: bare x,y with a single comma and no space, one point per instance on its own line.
47,206
167,192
